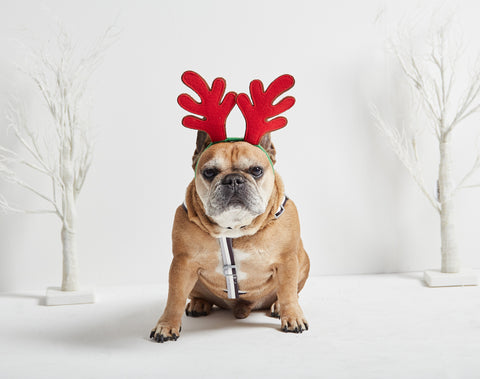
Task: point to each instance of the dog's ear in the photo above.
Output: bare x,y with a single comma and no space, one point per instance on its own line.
266,143
203,140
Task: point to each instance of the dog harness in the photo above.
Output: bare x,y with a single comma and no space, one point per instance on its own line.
228,258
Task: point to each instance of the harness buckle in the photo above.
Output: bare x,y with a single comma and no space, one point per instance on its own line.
229,267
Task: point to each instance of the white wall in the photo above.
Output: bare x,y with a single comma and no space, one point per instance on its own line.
360,211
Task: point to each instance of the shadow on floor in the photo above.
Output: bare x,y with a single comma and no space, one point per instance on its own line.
121,326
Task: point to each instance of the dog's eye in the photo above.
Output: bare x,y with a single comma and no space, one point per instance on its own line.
256,171
209,173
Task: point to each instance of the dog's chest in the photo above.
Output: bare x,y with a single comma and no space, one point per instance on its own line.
251,264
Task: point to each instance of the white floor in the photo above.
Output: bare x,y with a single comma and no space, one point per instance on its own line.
375,326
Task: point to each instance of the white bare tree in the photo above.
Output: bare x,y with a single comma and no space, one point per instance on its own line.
62,152
446,102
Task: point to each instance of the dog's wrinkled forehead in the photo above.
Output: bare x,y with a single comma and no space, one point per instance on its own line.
233,155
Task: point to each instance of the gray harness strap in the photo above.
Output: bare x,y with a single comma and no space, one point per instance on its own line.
228,258
229,268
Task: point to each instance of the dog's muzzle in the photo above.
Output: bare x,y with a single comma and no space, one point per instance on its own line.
233,181
233,189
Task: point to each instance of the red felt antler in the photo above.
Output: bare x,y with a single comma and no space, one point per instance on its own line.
211,107
259,115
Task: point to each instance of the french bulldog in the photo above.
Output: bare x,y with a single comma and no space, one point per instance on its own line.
235,194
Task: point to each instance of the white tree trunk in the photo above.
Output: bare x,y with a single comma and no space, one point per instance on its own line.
70,262
446,197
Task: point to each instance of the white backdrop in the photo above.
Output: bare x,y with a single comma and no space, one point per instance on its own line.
360,211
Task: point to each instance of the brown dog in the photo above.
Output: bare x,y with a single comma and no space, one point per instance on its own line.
235,194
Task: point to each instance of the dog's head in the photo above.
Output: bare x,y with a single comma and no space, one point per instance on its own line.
234,180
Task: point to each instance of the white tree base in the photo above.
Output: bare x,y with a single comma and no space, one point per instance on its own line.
55,296
436,278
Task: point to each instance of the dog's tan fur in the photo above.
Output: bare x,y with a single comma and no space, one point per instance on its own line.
272,263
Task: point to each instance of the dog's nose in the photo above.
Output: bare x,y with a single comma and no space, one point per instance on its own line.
233,180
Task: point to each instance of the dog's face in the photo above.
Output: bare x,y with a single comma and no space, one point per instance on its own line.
234,182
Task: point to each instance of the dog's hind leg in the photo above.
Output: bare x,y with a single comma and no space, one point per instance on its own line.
198,307
275,310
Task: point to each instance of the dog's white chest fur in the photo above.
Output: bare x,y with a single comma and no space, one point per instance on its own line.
242,259
250,264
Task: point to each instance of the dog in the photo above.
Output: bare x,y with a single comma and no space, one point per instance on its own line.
236,196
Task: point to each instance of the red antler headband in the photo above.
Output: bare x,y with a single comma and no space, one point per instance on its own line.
258,114
211,106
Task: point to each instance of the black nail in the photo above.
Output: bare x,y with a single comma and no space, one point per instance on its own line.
152,333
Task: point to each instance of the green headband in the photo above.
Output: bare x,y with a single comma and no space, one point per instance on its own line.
234,139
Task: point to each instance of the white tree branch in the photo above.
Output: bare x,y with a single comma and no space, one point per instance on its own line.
406,152
6,207
469,104
16,121
472,186
12,178
418,82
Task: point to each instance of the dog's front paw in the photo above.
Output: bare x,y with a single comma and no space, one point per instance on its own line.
293,320
165,331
